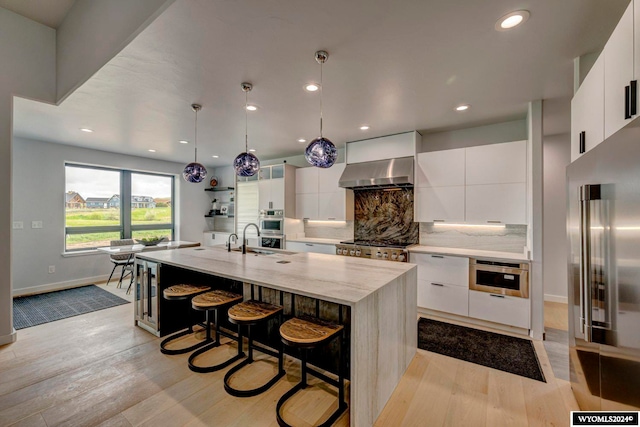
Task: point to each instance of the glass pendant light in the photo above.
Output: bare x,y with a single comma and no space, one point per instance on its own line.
321,152
246,164
195,172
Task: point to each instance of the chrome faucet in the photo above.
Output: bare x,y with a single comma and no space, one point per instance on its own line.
244,236
229,241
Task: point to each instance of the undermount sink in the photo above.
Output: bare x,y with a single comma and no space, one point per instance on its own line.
254,251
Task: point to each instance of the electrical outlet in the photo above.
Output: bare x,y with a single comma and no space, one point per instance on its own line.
52,269
18,225
36,224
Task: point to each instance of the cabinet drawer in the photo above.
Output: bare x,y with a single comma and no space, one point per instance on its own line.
445,269
500,309
442,297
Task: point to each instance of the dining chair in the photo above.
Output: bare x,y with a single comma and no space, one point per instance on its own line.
123,260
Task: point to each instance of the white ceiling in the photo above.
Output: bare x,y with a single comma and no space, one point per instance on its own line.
395,65
47,12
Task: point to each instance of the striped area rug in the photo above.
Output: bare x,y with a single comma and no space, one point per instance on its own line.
44,308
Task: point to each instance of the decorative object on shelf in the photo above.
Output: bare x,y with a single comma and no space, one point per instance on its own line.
246,164
214,181
195,172
321,152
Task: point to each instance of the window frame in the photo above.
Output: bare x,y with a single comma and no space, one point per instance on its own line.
126,228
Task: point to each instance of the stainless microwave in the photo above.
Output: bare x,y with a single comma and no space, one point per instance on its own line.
503,278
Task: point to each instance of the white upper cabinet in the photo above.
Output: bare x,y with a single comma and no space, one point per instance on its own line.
618,73
440,168
318,195
497,163
306,180
499,203
479,184
587,112
435,204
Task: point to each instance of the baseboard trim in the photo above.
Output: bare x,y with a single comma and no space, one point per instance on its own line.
8,339
556,298
34,290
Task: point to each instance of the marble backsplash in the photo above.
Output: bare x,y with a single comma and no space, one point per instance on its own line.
386,215
341,230
511,238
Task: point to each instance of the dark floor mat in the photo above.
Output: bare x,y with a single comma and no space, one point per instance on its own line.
44,308
503,352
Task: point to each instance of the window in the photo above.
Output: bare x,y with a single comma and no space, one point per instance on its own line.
104,204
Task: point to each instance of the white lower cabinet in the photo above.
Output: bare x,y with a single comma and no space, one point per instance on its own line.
320,248
451,270
504,309
443,297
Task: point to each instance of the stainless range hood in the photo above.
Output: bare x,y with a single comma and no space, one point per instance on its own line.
379,173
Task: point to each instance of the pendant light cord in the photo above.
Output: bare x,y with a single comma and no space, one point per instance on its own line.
321,99
246,112
196,141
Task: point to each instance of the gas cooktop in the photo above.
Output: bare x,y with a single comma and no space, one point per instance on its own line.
377,243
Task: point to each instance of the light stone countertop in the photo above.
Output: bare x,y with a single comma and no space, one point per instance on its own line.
315,240
343,280
508,256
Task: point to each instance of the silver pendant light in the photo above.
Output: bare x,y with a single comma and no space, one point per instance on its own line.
321,152
246,164
195,172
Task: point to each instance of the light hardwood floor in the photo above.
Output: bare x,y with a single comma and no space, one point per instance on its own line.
98,369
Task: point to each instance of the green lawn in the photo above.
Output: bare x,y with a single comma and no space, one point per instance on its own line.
102,217
98,217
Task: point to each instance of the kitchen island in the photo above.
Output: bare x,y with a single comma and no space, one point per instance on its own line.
380,296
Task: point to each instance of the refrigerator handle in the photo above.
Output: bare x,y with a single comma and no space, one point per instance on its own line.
587,194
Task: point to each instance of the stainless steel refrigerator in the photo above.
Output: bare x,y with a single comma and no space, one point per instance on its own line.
604,273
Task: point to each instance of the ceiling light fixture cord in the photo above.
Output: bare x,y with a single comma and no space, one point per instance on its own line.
321,98
196,136
246,112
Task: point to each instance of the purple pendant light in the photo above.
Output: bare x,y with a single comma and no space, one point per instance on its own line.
246,164
195,172
321,152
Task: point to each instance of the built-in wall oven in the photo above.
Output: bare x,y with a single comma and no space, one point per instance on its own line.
147,301
502,278
272,222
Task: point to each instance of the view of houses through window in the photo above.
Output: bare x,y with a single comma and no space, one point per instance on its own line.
104,204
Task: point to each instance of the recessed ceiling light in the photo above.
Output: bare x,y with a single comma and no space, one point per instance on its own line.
183,141
151,150
462,107
251,108
215,157
312,87
86,130
253,150
364,127
302,140
511,20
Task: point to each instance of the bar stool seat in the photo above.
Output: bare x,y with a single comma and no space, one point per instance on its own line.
251,313
306,333
183,292
215,301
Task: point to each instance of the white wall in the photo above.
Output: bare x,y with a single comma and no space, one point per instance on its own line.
38,194
28,65
94,31
557,155
480,135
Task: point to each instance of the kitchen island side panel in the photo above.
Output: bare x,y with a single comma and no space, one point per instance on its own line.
383,342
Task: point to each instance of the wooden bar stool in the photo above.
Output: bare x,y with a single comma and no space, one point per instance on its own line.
251,313
184,292
307,333
215,301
